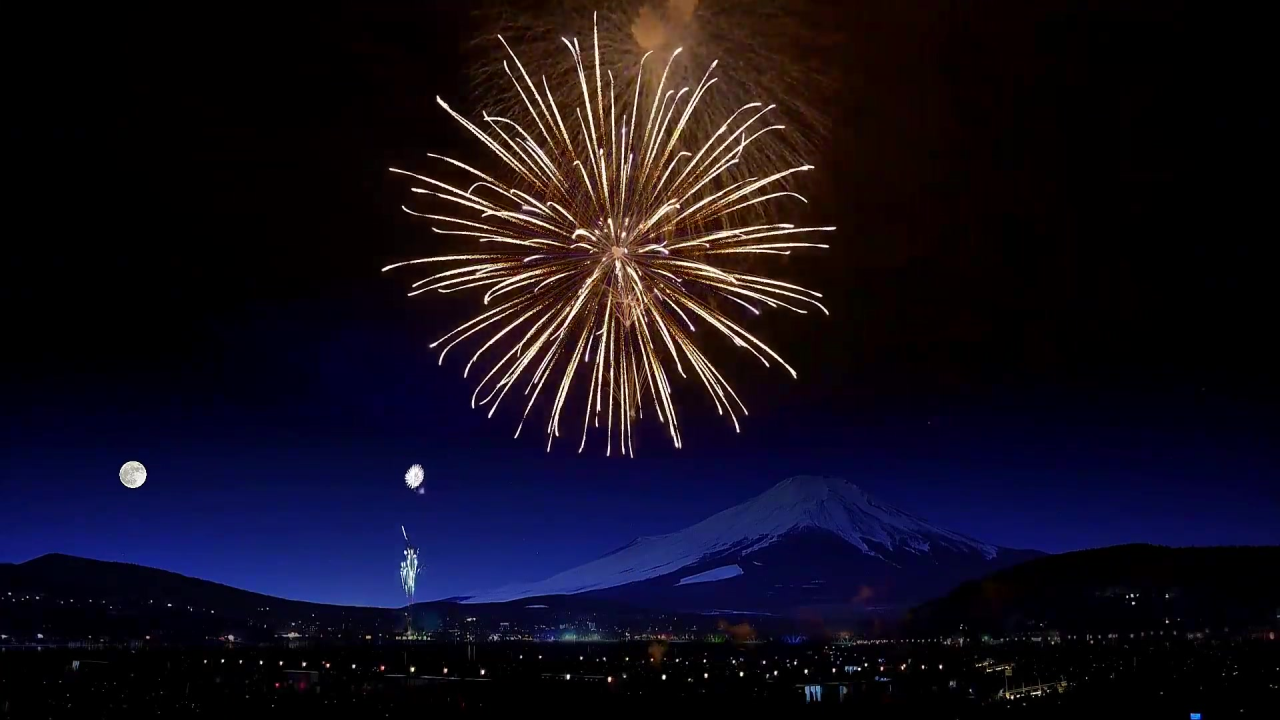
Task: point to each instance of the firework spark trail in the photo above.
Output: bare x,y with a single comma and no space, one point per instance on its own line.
602,263
408,568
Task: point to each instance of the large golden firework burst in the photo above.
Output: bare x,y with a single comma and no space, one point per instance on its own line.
598,248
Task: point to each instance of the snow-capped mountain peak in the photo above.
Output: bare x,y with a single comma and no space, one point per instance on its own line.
795,505
840,507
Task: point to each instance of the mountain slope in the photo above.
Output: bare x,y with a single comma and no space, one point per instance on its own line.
63,596
827,528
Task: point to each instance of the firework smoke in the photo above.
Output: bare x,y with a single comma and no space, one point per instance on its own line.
768,51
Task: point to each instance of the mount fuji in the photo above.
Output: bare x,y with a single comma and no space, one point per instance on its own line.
807,542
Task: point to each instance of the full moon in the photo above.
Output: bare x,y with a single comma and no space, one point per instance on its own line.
133,474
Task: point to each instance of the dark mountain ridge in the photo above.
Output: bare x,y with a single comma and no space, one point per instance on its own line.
69,596
1126,588
1114,589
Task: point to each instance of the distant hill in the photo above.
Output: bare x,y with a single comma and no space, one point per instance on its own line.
68,576
80,596
1122,588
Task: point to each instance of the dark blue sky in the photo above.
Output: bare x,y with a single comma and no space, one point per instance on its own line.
1049,328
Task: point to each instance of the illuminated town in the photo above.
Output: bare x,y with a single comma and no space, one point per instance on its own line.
313,661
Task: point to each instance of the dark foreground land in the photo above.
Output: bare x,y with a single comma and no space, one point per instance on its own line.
1150,678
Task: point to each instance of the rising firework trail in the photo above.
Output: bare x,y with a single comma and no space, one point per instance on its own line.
598,251
408,574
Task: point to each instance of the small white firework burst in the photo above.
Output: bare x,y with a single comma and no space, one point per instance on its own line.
413,478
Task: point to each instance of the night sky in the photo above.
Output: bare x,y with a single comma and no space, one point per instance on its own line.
1052,322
